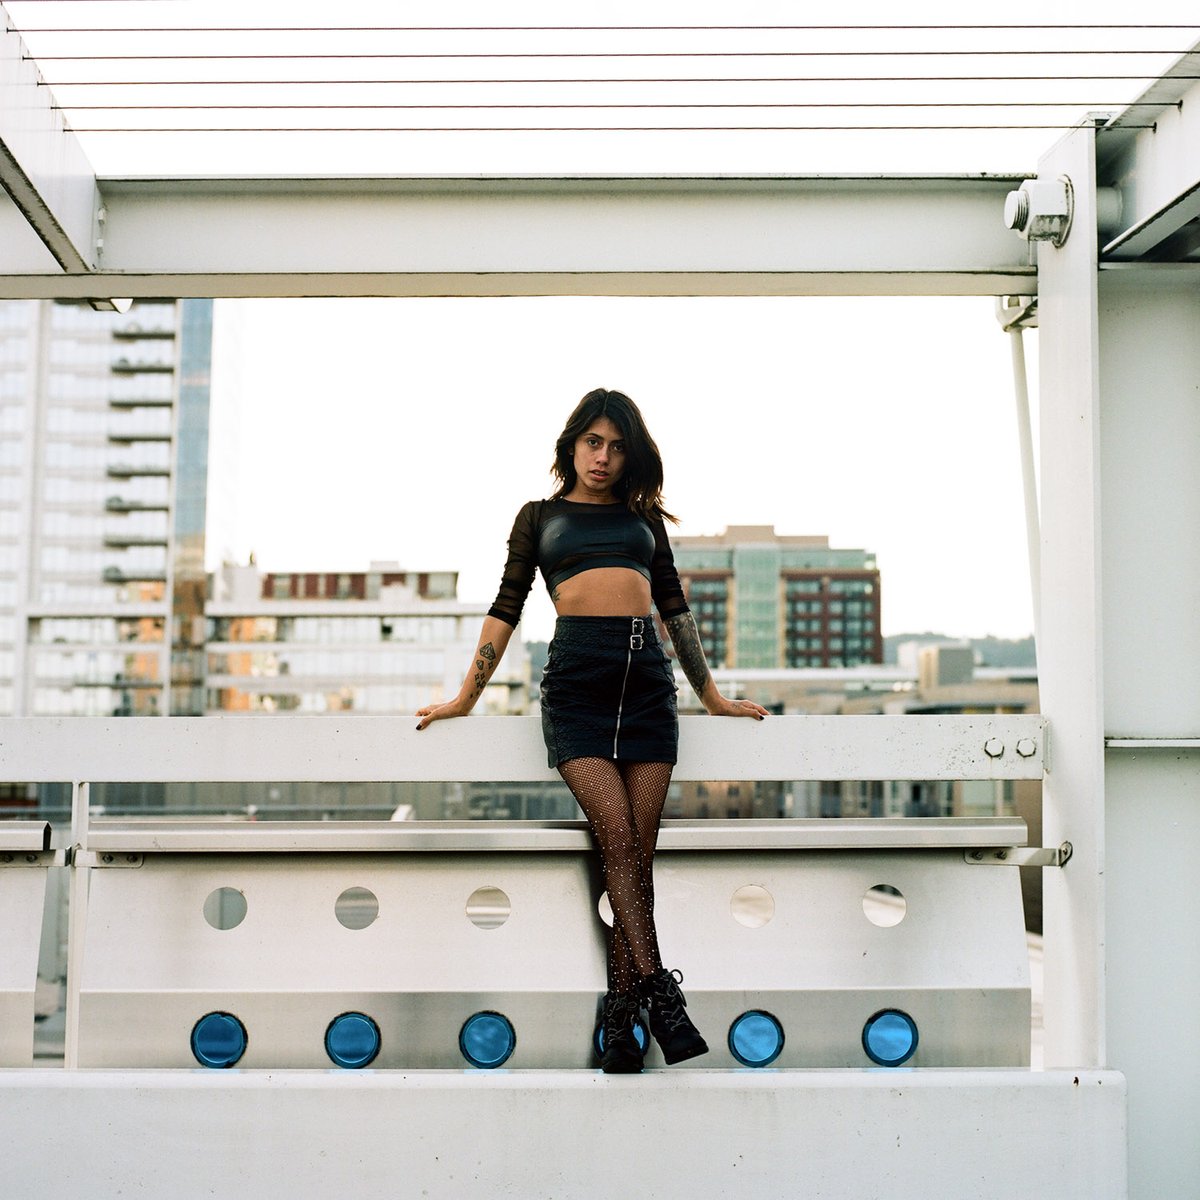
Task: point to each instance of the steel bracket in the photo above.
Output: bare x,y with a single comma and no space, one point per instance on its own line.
1022,856
32,858
107,858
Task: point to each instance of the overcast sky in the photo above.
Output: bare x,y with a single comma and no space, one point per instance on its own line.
414,429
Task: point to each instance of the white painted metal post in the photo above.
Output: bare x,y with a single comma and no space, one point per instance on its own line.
1033,531
1069,654
1150,441
76,919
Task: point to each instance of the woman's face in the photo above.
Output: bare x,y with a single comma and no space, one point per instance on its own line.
599,457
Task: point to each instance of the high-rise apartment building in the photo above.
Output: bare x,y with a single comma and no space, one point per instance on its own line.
103,476
762,599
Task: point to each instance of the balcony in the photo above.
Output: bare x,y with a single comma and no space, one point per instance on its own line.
125,366
119,682
127,540
119,504
141,401
122,438
129,471
133,575
133,332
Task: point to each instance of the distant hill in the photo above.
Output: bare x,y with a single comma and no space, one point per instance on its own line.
989,651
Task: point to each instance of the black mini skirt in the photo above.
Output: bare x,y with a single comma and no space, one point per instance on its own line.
608,691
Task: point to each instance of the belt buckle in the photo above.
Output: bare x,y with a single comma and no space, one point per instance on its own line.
635,637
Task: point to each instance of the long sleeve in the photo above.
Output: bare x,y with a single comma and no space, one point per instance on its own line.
665,586
521,566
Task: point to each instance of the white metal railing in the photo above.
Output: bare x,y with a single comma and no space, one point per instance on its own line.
376,749
140,959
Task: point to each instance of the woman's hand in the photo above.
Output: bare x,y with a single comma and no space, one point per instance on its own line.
440,712
719,706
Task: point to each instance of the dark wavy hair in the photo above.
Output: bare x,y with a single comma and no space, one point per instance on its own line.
640,485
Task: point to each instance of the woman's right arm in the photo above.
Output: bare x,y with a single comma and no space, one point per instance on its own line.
493,641
501,620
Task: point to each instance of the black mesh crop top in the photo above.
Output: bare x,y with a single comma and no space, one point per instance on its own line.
563,538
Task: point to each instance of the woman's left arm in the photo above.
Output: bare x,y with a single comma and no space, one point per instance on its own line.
685,637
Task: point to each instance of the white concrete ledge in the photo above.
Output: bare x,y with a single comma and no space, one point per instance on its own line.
906,1135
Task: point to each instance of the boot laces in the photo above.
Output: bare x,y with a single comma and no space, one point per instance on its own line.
667,1000
620,1015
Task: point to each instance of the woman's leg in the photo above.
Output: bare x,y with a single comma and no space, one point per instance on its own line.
646,785
670,1024
600,788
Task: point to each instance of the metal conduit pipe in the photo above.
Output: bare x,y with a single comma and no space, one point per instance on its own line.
1012,312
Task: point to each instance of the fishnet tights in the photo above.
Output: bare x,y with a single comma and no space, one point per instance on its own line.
623,803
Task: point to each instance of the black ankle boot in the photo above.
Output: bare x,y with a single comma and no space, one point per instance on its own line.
621,1054
677,1037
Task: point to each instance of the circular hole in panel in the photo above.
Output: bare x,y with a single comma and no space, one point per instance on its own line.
756,1038
352,1040
604,908
356,907
487,1039
218,1039
890,1037
640,1035
225,908
884,905
752,906
488,907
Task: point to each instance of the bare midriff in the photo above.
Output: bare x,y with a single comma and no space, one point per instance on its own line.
603,592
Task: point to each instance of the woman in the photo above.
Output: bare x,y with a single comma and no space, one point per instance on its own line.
608,693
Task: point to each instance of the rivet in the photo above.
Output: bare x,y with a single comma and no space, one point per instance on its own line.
1027,747
993,747
107,858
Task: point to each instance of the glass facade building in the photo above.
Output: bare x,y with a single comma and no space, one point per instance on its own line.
764,600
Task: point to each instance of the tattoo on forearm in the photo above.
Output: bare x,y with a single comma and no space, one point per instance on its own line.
485,663
686,639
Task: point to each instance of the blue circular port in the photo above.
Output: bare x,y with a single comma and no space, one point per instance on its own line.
640,1035
756,1038
890,1037
218,1040
487,1039
352,1040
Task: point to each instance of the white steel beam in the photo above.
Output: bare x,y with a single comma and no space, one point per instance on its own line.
1156,170
1069,647
1150,445
141,836
249,749
43,169
548,236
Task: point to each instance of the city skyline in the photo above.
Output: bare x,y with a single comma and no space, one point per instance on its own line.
412,430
